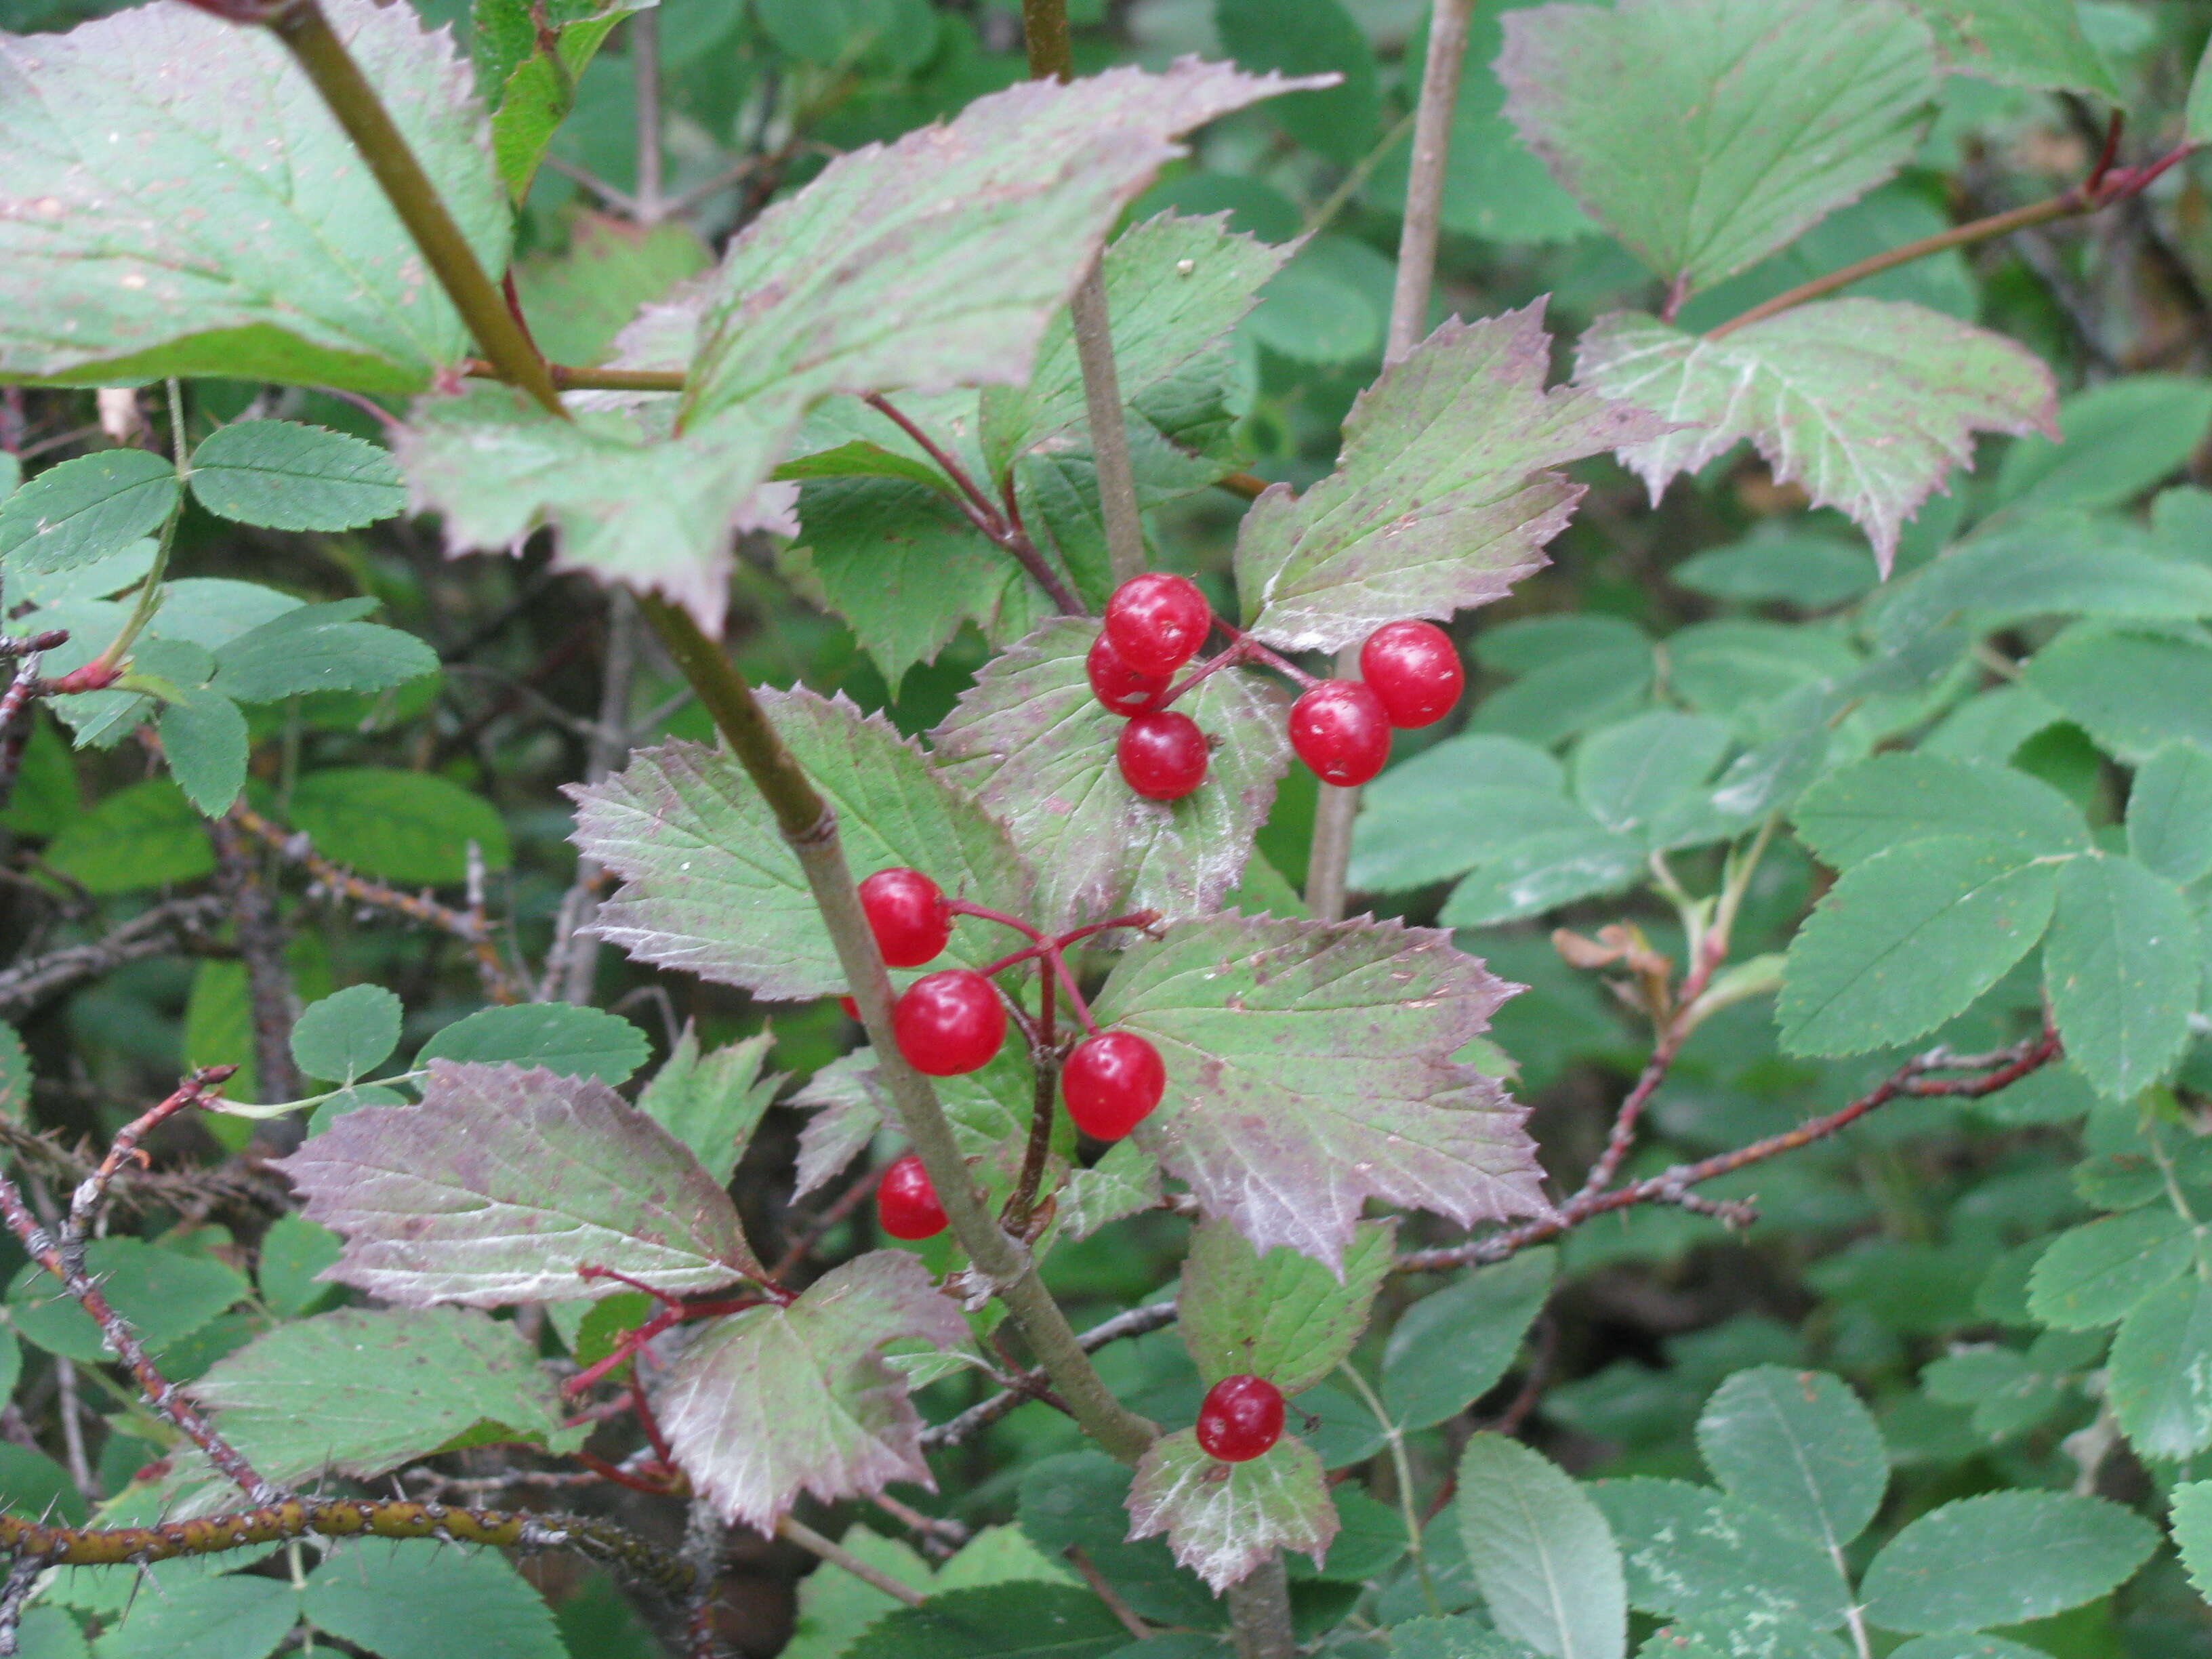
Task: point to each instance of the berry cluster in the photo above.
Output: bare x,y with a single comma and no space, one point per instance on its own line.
1409,676
954,1021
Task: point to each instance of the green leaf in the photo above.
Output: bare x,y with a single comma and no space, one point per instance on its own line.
2120,969
1543,871
1222,1519
503,1182
1799,1445
1019,1620
1080,1500
232,276
1909,939
1454,805
418,1600
1628,775
2062,562
527,61
1776,564
1859,811
1174,288
2090,1276
413,828
1781,136
2198,124
2156,1379
1281,1315
768,1402
2170,812
711,1101
1541,1553
2119,440
1696,1554
1466,1637
580,298
1123,1183
320,647
1309,37
289,476
2134,693
1450,1347
1441,498
294,1253
1868,404
1727,1638
892,35
2192,1522
1336,1041
1370,1539
566,1039
236,1617
85,510
710,886
1036,748
358,1392
33,1486
2003,1559
163,1294
834,1607
347,1035
1328,305
203,740
2019,43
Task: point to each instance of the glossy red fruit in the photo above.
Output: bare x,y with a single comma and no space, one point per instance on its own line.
949,1021
1342,731
1119,686
1163,755
1111,1082
852,1008
907,914
1156,622
906,1204
1415,669
1239,1419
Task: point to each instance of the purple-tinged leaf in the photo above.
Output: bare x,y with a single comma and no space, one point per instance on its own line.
1440,500
710,887
1223,1519
1868,404
1310,1068
180,201
1705,134
1280,1316
1126,1181
1037,747
989,1109
938,261
503,1182
627,503
772,1402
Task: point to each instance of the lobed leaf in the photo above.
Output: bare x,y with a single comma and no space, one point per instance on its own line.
712,1101
2019,43
775,1400
238,231
1309,1067
503,1182
710,886
1222,1519
1441,498
1280,1316
1867,403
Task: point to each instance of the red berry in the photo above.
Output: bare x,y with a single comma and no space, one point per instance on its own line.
1415,669
1156,622
1341,730
852,1008
1163,755
1239,1419
949,1021
1119,686
906,1204
907,914
1111,1082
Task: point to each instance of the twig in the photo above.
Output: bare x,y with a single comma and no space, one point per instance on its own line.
838,1556
1138,1321
571,965
69,1407
91,1193
261,946
168,927
644,72
236,1184
804,1241
1137,1629
1045,1064
702,1550
621,200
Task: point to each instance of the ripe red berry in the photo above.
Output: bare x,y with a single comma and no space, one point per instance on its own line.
1239,1419
852,1008
906,1204
906,914
1163,755
1119,686
1415,669
1111,1082
949,1021
1341,730
1156,622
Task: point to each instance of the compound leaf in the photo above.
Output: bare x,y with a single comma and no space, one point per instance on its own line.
2161,1361
712,1101
414,827
1693,1552
410,1599
1873,804
1024,1619
563,1037
347,1033
289,476
84,510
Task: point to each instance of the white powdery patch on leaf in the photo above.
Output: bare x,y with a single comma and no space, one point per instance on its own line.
775,1400
1345,1091
503,1182
1223,1519
1441,498
1868,404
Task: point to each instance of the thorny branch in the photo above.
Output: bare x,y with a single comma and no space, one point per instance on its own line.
186,923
